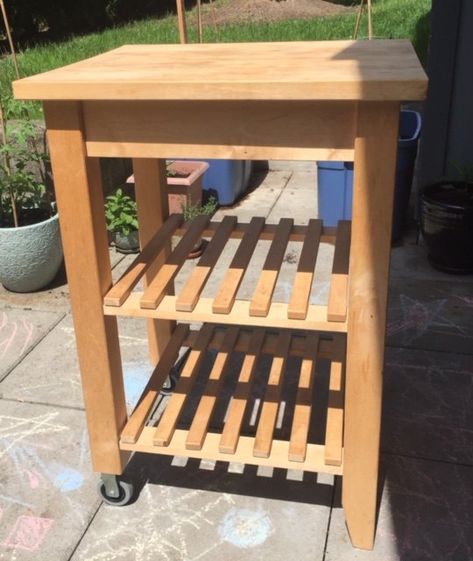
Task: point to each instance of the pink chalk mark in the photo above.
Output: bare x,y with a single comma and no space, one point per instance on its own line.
34,479
29,327
28,532
7,342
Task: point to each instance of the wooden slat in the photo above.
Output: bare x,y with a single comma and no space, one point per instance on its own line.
138,418
298,232
238,405
168,421
228,289
278,458
334,430
300,296
337,300
189,295
263,293
200,423
304,398
316,318
327,347
130,278
154,293
272,398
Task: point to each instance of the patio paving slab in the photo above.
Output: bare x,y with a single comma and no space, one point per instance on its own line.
47,489
53,298
427,410
200,510
50,373
430,315
264,191
426,515
20,331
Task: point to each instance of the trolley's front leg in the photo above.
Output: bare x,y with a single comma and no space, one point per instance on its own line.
80,203
375,161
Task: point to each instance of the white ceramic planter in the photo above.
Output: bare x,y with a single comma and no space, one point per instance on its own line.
30,256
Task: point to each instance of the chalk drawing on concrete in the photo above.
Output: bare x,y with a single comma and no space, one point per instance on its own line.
12,331
417,318
28,532
245,528
161,527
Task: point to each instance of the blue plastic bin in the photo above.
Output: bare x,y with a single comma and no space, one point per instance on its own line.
335,179
227,180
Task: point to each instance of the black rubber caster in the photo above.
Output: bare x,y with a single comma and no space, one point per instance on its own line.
114,491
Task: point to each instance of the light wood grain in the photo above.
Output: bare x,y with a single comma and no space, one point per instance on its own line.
191,291
226,293
375,148
300,294
278,458
156,289
338,295
130,278
152,212
181,21
140,414
240,399
80,202
334,426
304,399
272,398
306,70
327,347
200,423
168,421
262,296
278,130
277,315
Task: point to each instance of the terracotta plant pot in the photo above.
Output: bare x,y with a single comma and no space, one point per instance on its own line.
186,187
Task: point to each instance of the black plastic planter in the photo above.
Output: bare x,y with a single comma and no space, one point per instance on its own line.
447,225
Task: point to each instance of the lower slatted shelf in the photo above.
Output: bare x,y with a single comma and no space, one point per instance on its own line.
248,396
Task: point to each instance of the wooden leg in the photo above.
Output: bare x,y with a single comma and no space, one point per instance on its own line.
375,161
81,210
153,209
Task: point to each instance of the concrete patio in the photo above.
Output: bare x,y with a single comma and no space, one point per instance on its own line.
189,510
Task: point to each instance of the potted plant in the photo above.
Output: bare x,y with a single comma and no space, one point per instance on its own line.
30,243
446,221
122,222
192,211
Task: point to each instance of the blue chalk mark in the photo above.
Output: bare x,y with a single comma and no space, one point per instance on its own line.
136,375
245,528
68,479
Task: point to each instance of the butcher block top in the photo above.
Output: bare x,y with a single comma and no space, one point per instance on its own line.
324,70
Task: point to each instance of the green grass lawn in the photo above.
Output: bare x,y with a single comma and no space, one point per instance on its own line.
391,19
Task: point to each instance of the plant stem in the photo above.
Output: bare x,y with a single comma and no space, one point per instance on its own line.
6,161
10,40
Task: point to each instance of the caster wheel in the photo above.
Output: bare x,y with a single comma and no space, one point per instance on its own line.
124,497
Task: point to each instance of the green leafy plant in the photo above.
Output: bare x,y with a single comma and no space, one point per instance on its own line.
192,211
26,191
120,213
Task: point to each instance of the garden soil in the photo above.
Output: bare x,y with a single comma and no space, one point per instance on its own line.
234,11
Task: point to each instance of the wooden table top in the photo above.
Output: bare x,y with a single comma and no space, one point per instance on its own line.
325,70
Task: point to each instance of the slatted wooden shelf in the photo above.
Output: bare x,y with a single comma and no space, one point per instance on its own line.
189,425
225,307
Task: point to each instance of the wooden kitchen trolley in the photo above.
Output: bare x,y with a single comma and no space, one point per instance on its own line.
336,100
